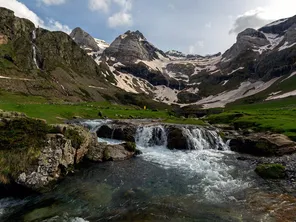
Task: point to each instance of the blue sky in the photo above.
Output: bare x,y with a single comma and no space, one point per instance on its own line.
190,26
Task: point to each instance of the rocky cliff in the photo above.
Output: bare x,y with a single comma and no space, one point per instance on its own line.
39,62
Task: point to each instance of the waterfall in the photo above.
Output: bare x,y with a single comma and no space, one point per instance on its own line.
149,136
34,49
197,138
94,125
200,139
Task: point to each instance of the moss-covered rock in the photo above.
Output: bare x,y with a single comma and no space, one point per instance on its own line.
34,154
21,140
130,146
271,171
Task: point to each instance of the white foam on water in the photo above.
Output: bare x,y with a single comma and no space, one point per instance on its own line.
110,141
216,182
94,125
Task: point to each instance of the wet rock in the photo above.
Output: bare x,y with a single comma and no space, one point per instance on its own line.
120,131
96,152
271,171
117,153
273,206
260,144
176,138
103,152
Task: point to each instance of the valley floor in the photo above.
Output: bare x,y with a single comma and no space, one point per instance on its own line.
277,116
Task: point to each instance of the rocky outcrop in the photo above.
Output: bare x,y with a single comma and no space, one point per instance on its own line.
104,152
132,46
262,144
119,131
84,40
176,139
62,150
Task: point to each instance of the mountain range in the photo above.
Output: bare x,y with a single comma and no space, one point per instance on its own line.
78,67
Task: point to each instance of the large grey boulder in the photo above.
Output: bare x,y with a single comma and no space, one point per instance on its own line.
262,144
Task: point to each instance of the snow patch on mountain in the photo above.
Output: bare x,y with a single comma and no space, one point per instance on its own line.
166,95
285,95
290,76
132,84
246,89
102,44
286,46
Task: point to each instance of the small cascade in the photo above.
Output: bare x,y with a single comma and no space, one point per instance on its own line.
112,135
201,139
94,125
149,136
34,49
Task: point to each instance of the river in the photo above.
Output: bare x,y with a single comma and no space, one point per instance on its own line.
202,184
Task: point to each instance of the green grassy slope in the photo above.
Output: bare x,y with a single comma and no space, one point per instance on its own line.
276,116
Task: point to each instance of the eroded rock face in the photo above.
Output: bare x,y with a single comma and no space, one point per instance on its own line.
3,39
260,144
119,131
56,157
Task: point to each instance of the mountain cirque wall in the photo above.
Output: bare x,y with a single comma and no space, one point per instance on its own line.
50,64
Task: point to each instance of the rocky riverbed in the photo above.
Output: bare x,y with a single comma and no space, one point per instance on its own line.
183,173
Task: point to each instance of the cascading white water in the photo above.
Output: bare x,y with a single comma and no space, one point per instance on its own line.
200,139
205,160
94,125
150,136
34,49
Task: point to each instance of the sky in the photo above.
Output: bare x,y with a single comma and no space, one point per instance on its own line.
190,26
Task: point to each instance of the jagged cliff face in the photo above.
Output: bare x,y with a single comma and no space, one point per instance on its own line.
84,39
39,62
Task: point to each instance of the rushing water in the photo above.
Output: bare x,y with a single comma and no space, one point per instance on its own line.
206,183
34,49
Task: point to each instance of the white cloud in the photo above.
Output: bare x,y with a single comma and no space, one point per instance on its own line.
120,19
53,2
251,19
22,11
99,5
57,26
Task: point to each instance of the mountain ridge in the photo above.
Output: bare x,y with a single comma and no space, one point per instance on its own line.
79,67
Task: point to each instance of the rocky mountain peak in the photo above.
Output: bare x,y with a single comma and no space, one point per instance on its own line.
279,27
175,53
251,33
84,40
136,35
131,47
